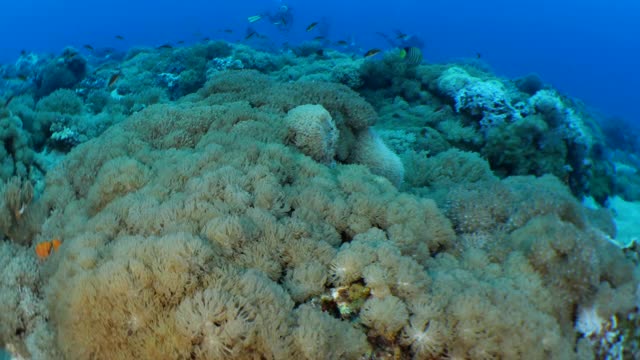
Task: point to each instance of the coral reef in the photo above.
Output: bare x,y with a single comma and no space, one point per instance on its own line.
63,72
371,151
244,226
216,201
520,131
313,132
487,99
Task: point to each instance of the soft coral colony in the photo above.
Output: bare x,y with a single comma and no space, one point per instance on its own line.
248,209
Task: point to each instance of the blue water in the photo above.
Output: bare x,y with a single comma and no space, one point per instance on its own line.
587,49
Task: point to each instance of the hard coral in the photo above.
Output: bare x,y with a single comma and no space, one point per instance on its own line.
63,72
314,132
486,99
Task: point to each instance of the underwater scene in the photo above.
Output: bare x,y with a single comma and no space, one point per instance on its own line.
330,180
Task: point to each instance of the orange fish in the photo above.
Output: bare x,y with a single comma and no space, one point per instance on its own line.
43,249
56,244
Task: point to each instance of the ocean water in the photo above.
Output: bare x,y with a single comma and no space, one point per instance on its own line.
588,49
319,180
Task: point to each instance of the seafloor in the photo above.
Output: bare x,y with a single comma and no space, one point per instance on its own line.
216,201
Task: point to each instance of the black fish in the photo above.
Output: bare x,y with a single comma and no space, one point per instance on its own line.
311,26
88,47
372,52
6,103
113,79
119,37
401,36
165,46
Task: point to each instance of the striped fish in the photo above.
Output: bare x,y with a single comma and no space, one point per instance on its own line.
412,55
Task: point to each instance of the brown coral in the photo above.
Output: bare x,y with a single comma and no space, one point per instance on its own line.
193,231
313,132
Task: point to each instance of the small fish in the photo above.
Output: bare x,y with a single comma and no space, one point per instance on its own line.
250,34
402,36
372,52
320,52
478,55
69,54
22,77
119,37
180,42
165,47
228,31
411,55
113,79
6,103
342,43
311,26
206,39
318,38
88,47
254,18
45,248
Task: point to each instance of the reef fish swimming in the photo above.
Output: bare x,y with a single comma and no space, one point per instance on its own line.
412,55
